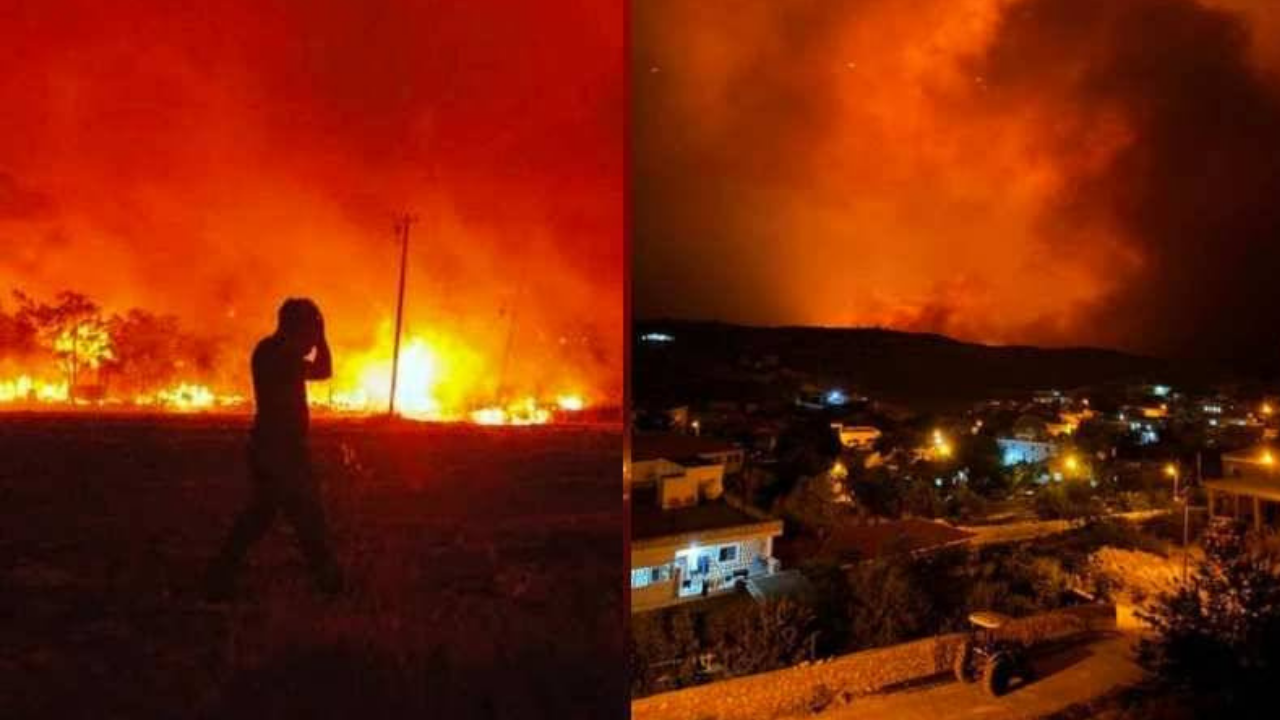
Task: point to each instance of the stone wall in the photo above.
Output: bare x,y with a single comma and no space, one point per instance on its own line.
801,690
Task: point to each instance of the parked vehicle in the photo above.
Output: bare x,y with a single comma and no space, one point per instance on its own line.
987,657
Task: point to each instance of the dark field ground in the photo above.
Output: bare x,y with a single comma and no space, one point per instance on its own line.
486,564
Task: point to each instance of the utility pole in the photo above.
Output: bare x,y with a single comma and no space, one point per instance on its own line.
402,227
1186,515
75,356
511,332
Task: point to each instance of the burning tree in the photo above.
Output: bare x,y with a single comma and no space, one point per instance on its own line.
72,329
152,351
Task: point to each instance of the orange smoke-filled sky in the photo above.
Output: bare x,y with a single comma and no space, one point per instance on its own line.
208,159
1015,171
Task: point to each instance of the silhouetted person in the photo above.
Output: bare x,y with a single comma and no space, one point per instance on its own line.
279,459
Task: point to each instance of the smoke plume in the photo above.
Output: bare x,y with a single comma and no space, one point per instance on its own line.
1036,171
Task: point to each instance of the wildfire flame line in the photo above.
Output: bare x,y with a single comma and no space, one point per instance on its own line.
438,381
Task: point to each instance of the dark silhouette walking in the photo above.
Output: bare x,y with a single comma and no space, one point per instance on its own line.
279,459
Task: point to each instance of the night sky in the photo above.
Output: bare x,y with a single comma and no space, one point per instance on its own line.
1056,172
209,158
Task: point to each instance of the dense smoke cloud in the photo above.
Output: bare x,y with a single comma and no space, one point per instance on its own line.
1044,171
208,160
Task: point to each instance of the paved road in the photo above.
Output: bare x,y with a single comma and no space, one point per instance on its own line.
1072,676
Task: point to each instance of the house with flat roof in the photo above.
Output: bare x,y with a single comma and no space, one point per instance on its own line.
654,455
688,539
1249,489
692,552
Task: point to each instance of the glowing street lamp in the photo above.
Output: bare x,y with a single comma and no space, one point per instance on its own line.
1267,458
1172,471
838,471
940,445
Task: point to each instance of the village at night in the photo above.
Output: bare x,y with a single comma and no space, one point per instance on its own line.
955,371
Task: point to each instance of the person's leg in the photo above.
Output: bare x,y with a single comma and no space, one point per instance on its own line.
250,525
301,505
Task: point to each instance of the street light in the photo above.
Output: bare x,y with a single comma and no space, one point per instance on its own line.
940,445
1171,470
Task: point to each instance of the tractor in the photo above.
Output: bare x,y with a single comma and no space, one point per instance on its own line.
993,660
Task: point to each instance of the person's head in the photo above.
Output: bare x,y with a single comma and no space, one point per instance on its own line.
299,323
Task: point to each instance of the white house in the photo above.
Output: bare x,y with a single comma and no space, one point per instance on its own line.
1015,450
688,540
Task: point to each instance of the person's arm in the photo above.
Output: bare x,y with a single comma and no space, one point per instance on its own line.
321,368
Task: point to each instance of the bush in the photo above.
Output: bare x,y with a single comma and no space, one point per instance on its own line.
1068,500
965,504
1218,637
886,604
771,635
682,646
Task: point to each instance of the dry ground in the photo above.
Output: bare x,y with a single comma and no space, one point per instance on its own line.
486,563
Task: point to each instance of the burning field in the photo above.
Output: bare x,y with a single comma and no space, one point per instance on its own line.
70,354
169,174
486,564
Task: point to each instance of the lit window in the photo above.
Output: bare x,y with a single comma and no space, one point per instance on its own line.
646,576
728,553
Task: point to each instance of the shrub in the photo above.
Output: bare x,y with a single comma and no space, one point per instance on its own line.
1068,500
886,604
1218,637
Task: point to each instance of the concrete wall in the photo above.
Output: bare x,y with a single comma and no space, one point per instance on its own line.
653,596
799,690
649,471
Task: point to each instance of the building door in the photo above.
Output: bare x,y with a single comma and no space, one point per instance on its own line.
696,568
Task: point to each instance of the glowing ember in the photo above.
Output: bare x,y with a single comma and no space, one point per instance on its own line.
365,386
571,403
525,412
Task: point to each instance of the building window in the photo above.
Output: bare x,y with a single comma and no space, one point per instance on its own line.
646,576
728,553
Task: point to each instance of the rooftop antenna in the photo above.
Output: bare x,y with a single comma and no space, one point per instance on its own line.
403,223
